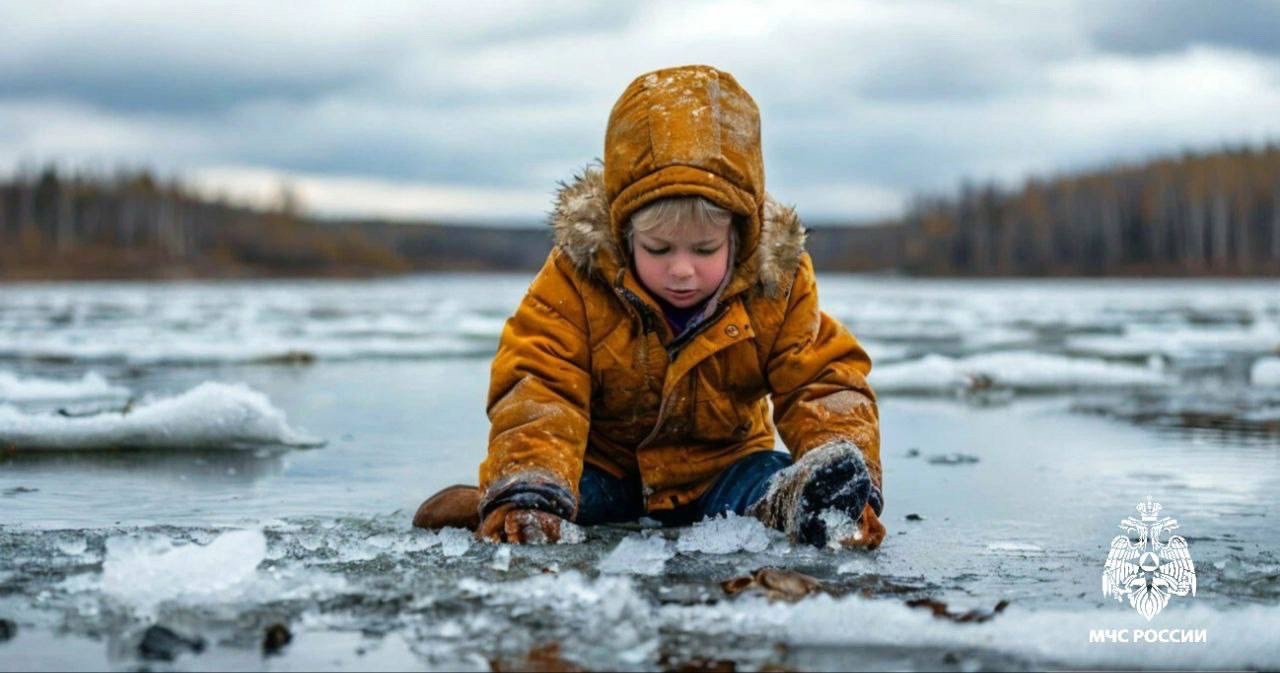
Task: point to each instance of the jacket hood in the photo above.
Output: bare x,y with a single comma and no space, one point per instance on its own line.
583,230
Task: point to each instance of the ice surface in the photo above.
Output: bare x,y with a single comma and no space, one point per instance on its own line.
209,416
637,555
73,547
724,535
147,571
1236,638
1015,548
606,621
377,577
1181,342
1265,372
200,350
1020,370
217,323
91,386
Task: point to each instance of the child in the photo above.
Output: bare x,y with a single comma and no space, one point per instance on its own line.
636,376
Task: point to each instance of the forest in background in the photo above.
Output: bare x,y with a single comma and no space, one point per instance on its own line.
1212,213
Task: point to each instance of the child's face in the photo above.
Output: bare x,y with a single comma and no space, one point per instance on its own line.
682,265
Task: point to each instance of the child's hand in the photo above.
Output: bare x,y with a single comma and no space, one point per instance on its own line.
508,524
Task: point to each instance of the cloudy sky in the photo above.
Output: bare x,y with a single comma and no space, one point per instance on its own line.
473,111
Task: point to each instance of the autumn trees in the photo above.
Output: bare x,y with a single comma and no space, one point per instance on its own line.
1196,214
130,224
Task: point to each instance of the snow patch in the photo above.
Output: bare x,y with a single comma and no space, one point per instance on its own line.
209,416
1020,370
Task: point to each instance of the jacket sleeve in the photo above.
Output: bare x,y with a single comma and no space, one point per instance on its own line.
817,374
539,396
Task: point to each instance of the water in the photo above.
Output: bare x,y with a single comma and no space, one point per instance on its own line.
1021,421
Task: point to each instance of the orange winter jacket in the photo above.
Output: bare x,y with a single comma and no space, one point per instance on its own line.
588,370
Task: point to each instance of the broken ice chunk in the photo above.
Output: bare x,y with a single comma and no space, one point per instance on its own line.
724,535
571,533
501,559
637,555
454,541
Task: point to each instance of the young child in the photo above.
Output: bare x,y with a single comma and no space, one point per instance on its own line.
636,376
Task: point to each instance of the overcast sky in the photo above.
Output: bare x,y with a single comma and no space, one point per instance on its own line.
475,110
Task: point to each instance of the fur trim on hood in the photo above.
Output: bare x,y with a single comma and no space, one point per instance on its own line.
580,222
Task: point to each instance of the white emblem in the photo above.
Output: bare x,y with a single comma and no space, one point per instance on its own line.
1145,569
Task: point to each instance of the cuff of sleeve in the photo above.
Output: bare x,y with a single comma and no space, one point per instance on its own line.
530,489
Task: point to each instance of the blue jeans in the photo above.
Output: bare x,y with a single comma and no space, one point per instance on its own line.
604,498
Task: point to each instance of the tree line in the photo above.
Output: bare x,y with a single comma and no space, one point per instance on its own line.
1214,213
131,224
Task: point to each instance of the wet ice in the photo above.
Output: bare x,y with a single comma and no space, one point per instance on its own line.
1085,371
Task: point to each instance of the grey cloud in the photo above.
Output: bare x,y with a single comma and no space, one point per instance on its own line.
164,91
924,79
1173,25
496,98
554,20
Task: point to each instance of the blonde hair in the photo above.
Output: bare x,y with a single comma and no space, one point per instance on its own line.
665,215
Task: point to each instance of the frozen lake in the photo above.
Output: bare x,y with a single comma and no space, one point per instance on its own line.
281,434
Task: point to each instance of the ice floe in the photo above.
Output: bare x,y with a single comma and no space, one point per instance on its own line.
1142,340
1019,370
209,416
201,350
91,386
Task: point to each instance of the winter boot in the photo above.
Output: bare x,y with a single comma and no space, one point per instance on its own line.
821,497
457,506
